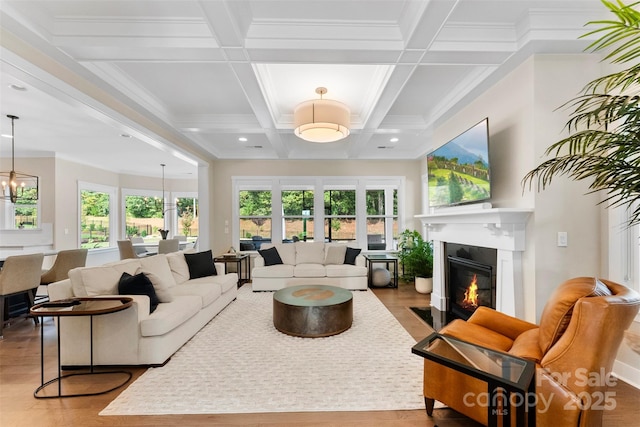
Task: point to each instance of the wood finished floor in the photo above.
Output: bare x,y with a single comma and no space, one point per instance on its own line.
20,375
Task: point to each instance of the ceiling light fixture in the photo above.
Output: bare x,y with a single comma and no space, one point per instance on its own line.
12,180
322,120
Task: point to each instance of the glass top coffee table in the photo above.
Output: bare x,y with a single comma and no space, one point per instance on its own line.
510,380
312,310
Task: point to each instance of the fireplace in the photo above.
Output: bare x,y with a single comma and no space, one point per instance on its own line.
470,284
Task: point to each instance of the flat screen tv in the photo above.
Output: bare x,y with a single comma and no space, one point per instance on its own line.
459,170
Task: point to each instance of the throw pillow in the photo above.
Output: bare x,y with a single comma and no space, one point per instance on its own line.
200,264
271,256
351,254
156,268
138,285
335,254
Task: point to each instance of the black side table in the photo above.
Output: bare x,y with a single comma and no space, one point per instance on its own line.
239,260
387,260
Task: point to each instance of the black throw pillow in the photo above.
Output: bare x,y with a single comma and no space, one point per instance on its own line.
351,254
200,264
138,285
271,256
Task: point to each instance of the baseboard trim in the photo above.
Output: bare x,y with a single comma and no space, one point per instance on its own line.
627,373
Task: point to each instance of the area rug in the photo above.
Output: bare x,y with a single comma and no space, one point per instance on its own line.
239,363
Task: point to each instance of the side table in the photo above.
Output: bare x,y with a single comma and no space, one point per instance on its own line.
241,260
509,379
385,259
77,307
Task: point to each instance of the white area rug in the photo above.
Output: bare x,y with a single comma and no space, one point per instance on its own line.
239,363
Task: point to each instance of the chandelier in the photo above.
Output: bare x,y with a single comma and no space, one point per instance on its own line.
321,120
17,185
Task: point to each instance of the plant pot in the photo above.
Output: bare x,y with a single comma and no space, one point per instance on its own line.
424,285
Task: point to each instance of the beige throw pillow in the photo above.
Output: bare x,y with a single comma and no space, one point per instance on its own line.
335,254
156,268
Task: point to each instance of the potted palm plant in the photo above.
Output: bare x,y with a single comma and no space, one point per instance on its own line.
416,256
605,140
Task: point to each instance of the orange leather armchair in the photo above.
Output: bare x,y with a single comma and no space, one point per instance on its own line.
574,347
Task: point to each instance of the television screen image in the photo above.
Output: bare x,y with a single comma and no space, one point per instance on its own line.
459,170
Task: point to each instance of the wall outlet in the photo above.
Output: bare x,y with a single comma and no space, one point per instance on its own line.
562,239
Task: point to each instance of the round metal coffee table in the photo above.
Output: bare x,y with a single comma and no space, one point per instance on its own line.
312,310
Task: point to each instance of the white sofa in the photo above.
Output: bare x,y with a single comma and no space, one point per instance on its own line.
135,336
308,263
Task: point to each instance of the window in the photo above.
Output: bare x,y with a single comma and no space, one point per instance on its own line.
23,214
382,218
143,215
288,209
298,212
96,216
254,208
187,215
340,215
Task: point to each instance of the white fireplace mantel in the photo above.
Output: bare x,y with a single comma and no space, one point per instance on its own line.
501,229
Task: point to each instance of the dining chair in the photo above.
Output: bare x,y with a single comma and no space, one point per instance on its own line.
20,275
168,246
125,247
65,260
141,251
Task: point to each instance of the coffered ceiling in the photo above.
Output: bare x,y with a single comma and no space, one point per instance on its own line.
191,80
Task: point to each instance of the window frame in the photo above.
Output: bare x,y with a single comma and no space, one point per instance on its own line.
113,211
319,184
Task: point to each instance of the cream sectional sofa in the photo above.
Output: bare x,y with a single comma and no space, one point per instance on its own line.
308,263
135,336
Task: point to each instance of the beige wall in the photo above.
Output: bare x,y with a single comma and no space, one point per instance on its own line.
224,170
523,122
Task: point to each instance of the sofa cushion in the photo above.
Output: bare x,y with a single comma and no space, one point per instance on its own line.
335,254
207,291
225,281
309,270
345,270
102,280
156,268
556,314
271,256
200,264
280,270
287,251
178,266
138,285
351,255
309,252
170,315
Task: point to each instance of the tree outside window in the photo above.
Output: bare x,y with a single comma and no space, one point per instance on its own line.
187,210
340,215
255,216
297,208
95,219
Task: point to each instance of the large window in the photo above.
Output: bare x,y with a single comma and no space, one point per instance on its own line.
287,209
143,215
255,224
340,214
23,214
187,216
382,218
297,214
96,216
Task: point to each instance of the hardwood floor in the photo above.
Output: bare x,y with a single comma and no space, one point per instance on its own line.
20,375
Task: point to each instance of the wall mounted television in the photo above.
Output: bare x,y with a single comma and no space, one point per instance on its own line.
458,171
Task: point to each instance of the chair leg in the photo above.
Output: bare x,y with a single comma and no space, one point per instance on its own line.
1,315
429,403
31,297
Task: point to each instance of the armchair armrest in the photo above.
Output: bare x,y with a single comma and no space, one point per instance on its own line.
258,261
499,322
60,290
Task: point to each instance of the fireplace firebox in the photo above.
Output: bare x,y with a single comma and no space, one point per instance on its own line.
471,284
